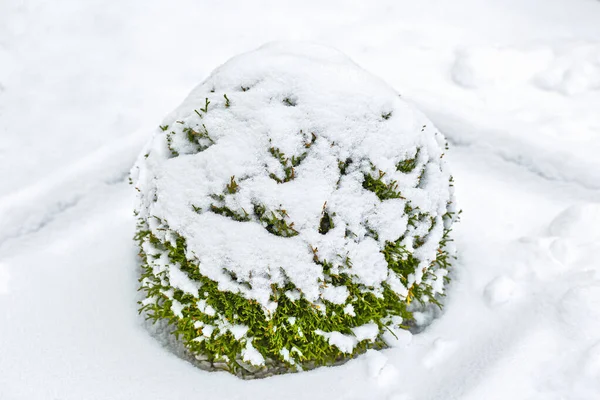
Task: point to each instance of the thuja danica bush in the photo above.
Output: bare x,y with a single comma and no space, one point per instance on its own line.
292,212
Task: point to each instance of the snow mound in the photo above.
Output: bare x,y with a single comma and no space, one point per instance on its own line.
292,183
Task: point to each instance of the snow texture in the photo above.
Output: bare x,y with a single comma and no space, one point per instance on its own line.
82,83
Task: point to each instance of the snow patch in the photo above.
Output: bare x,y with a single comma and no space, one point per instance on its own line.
179,280
238,331
205,308
177,307
349,309
208,330
397,337
366,332
251,355
335,294
343,342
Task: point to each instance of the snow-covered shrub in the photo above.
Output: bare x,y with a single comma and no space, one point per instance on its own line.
289,212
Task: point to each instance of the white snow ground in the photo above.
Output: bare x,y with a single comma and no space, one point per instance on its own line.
514,84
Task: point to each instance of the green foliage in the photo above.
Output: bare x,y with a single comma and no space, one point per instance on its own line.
205,108
378,186
275,221
174,152
293,325
164,127
313,139
326,223
399,259
289,102
232,186
200,138
343,165
408,165
288,164
270,333
228,212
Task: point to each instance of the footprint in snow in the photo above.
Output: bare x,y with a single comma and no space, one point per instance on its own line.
579,310
379,369
580,223
563,251
499,291
591,364
534,254
397,337
440,350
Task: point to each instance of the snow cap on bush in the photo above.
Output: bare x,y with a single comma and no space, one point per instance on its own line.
290,210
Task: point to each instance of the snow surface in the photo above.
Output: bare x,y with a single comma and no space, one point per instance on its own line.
81,84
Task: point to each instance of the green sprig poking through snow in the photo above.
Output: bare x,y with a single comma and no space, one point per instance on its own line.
294,234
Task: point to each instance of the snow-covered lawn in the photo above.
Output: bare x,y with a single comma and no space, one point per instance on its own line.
514,85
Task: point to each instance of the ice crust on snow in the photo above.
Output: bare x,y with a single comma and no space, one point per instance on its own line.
298,99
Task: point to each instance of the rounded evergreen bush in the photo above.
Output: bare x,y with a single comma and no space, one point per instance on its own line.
290,211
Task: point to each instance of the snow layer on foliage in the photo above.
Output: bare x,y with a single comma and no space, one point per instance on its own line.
312,103
346,343
343,342
251,355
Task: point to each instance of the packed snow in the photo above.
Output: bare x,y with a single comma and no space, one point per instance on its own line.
82,84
